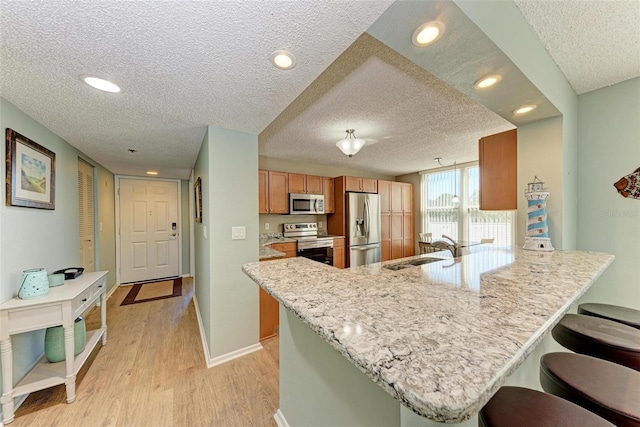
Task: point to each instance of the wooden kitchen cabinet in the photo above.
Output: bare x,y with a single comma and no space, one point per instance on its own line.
273,192
498,171
309,184
269,310
338,252
396,219
329,195
361,185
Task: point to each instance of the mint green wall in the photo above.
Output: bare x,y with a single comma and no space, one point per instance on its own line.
609,148
233,201
48,238
202,247
185,189
503,23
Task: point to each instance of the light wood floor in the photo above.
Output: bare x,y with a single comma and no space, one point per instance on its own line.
152,373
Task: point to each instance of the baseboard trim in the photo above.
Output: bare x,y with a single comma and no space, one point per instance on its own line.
203,337
186,275
218,360
112,291
279,418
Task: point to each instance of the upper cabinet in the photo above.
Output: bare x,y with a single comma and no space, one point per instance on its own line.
273,192
498,171
310,184
328,189
361,185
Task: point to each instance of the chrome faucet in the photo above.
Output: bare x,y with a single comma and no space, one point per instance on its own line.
453,247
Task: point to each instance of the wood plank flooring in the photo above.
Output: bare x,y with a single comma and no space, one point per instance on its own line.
152,373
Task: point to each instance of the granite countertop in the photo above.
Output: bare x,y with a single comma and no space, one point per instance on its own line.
267,252
440,337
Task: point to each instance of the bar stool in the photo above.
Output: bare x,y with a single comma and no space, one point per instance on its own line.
628,316
600,338
523,407
604,388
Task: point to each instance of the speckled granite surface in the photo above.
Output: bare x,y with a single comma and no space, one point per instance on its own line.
440,337
267,252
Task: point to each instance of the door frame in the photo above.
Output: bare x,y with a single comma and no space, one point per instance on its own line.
116,189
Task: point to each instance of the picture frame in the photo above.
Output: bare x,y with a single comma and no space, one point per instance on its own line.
30,173
198,199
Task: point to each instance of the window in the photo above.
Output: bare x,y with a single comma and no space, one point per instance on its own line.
462,220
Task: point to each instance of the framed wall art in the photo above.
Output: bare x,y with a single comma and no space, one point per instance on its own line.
198,199
31,173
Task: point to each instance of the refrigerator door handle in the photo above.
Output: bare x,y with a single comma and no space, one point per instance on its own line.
366,218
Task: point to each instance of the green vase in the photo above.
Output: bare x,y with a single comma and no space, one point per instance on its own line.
54,341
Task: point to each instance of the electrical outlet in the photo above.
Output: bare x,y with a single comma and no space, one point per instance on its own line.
266,225
320,224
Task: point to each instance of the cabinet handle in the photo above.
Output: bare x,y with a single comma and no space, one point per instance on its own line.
99,286
84,300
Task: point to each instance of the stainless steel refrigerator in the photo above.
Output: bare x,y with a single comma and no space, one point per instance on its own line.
363,228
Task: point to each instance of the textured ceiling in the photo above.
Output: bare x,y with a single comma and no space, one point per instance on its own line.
595,43
183,65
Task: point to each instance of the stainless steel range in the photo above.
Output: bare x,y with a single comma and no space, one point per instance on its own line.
309,244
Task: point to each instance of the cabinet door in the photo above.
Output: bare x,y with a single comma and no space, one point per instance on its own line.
385,250
384,190
369,185
385,236
297,183
407,235
278,192
407,197
338,252
353,184
498,171
314,184
269,318
263,191
397,239
396,197
329,195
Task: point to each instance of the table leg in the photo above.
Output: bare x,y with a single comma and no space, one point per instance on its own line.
7,380
70,379
103,316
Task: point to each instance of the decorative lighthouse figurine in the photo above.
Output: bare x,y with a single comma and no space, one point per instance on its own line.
537,229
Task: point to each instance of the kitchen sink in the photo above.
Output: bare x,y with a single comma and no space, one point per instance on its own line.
412,263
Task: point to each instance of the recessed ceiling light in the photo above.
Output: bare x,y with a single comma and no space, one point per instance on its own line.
101,84
152,173
283,59
524,109
488,81
427,33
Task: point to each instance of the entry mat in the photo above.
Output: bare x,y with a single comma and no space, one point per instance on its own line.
153,291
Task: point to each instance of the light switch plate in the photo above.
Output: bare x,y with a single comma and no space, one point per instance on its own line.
266,225
238,233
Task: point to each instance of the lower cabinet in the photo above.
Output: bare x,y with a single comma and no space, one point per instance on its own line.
269,317
338,252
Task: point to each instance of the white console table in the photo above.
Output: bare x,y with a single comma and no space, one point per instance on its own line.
61,306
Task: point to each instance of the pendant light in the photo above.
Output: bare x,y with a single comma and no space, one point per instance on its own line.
455,199
350,145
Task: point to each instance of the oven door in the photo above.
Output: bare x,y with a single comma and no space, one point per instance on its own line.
322,255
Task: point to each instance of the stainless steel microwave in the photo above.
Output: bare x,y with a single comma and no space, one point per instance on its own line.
306,204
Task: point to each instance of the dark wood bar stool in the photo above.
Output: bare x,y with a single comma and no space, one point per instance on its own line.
600,338
604,388
523,407
628,316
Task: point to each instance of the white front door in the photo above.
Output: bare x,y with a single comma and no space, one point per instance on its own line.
149,244
86,216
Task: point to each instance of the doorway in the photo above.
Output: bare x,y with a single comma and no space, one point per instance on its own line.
148,222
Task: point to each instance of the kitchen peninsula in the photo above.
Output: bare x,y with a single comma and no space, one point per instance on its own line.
439,338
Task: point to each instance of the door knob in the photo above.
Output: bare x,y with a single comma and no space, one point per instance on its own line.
173,234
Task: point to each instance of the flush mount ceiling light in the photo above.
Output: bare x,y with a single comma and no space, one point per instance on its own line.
283,60
524,109
350,145
101,84
152,173
427,33
487,81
